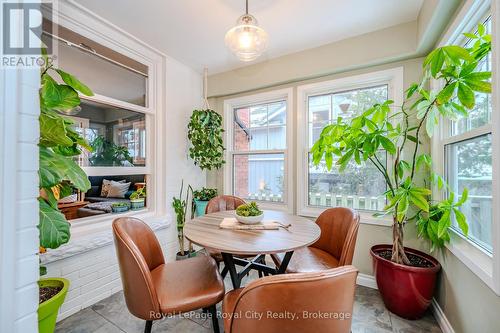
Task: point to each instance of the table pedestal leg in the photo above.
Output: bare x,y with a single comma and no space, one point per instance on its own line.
285,262
229,263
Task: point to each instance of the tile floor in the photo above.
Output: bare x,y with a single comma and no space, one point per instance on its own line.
111,316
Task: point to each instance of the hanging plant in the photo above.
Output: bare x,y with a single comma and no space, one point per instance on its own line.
205,133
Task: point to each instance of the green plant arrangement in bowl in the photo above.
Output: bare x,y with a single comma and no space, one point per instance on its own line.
406,277
138,198
201,199
205,133
120,207
59,175
249,213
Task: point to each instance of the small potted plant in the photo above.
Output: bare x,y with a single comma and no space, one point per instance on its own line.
180,209
120,207
138,198
201,199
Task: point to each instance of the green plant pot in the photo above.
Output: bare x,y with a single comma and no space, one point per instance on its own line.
200,207
47,311
137,203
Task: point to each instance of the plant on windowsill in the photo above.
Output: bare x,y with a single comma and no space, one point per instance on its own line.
201,199
138,198
120,207
59,175
180,208
205,133
406,277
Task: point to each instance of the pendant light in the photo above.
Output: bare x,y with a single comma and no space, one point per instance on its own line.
246,40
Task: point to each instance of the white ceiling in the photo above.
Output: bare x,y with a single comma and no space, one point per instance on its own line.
192,31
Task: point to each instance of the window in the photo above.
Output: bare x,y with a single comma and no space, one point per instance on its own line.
320,104
257,140
466,153
358,186
117,135
119,122
468,161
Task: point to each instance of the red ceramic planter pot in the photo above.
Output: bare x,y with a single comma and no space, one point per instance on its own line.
407,291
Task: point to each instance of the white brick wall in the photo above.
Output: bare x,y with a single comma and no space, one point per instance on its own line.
18,205
95,275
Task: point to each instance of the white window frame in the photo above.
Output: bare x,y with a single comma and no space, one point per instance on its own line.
262,98
485,265
393,78
71,16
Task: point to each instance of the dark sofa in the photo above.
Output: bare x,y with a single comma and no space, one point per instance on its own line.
94,193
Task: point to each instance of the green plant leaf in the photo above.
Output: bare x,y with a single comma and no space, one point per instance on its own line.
74,83
388,145
445,95
53,131
481,86
443,224
466,96
463,198
55,168
461,221
54,229
419,200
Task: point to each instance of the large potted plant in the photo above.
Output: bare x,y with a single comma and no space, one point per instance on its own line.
205,133
406,277
59,175
201,199
180,208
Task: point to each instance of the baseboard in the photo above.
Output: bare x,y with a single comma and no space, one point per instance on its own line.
368,281
441,317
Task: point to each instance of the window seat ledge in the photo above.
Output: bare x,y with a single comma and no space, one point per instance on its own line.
84,243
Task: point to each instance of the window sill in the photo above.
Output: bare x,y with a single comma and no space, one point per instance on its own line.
475,258
88,237
366,217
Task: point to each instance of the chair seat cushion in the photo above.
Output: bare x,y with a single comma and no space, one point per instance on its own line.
307,259
188,284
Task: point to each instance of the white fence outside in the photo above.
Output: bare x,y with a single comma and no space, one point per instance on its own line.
330,200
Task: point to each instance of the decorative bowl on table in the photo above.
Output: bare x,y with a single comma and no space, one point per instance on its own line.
249,213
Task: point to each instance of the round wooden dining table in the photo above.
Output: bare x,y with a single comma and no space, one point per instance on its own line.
233,244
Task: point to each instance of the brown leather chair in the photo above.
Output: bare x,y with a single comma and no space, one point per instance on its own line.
222,203
306,296
154,288
334,248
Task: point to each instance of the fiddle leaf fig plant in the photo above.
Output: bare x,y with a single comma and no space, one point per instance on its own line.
59,144
398,130
205,133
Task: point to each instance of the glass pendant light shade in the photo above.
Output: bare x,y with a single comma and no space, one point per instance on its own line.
247,40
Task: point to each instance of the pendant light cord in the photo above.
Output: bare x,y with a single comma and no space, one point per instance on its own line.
247,7
206,105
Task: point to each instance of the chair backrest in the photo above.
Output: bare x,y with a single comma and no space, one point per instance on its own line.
138,252
222,203
305,295
339,229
